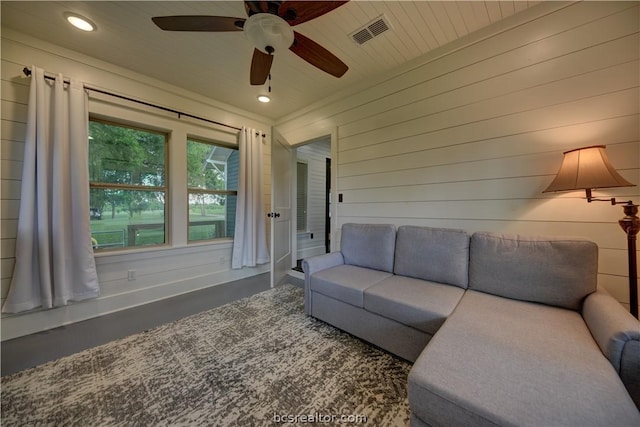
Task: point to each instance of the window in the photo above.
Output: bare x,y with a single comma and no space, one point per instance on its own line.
127,176
212,181
301,196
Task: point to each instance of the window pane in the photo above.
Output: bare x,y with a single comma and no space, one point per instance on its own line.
211,167
125,155
213,170
126,218
211,216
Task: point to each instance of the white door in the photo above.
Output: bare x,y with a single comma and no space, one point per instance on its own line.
281,192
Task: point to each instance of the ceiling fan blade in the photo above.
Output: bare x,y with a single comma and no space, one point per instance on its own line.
260,67
198,23
297,12
253,7
317,56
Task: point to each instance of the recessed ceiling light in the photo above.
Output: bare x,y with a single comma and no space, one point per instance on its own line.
264,98
80,22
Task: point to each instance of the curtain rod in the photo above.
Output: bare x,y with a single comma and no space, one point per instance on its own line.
27,72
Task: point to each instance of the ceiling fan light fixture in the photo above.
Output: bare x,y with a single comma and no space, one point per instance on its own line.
268,32
80,22
264,99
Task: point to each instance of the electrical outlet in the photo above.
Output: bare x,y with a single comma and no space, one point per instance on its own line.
131,275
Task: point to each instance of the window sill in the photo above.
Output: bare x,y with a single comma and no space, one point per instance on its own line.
160,251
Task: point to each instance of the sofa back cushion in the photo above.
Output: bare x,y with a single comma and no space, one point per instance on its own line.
434,254
549,270
369,245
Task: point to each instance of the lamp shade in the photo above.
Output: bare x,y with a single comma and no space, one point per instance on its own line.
586,168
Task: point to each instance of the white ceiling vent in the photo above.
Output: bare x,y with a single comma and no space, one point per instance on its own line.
371,30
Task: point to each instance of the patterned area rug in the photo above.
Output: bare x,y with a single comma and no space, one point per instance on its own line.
257,361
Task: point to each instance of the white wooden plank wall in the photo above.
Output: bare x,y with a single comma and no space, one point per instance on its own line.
470,136
315,155
160,273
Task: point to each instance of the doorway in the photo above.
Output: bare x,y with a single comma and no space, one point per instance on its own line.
313,199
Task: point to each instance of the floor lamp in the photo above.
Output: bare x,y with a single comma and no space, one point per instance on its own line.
588,168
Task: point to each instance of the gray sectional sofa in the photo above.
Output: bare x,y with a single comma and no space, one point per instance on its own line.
502,329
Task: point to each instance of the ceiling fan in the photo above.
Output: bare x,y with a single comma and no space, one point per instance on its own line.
268,27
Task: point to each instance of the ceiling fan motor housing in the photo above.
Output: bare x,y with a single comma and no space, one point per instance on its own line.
268,33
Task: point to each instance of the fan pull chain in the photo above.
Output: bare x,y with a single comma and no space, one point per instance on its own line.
269,82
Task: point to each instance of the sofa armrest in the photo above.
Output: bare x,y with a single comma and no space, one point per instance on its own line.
617,333
314,264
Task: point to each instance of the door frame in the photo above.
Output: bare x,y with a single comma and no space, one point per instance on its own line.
327,206
333,139
277,138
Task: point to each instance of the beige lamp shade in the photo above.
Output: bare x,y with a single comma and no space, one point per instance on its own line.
586,168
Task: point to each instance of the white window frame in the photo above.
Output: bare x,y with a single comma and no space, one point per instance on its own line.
177,131
134,187
191,190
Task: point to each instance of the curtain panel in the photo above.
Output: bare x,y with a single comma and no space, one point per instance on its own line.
54,255
250,238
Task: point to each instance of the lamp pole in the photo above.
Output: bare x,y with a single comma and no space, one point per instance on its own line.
631,225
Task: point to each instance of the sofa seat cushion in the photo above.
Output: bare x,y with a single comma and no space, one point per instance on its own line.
346,283
417,303
508,362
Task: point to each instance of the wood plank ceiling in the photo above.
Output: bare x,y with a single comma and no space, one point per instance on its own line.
217,64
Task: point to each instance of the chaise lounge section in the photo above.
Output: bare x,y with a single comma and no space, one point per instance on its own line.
504,330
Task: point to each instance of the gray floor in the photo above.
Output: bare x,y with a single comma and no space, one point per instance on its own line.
32,350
